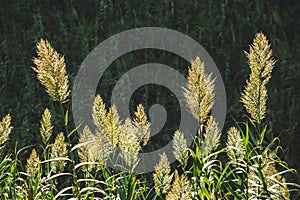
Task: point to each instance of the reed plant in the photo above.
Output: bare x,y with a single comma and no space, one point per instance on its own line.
61,169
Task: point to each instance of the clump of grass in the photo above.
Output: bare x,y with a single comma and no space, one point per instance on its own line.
79,171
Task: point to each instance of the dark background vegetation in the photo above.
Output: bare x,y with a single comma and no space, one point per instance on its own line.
224,28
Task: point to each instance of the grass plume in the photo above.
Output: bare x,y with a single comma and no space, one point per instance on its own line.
46,126
235,145
162,177
59,150
199,93
180,148
5,130
51,71
261,63
181,188
32,163
142,124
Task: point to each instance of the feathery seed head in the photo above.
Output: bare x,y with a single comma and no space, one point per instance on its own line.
181,188
212,137
140,121
112,125
5,130
129,143
59,150
51,71
199,93
32,163
46,126
235,145
95,148
261,63
180,148
162,178
99,112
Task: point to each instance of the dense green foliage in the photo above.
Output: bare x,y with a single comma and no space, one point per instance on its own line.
223,28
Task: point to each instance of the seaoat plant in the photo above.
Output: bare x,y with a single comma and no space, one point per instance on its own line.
162,176
46,126
51,71
5,130
142,124
180,149
261,63
181,188
32,163
199,93
59,150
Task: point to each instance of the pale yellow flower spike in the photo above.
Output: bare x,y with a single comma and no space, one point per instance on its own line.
235,145
200,91
180,148
261,63
32,163
99,112
212,137
112,125
162,177
59,150
129,143
51,71
5,130
46,126
95,148
141,122
181,188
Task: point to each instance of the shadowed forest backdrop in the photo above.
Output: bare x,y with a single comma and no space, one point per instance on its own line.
223,28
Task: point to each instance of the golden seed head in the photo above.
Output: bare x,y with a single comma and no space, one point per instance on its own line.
59,150
95,148
181,188
46,126
129,143
99,112
32,163
261,63
141,122
211,137
5,130
112,125
162,177
199,93
235,145
51,71
180,148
